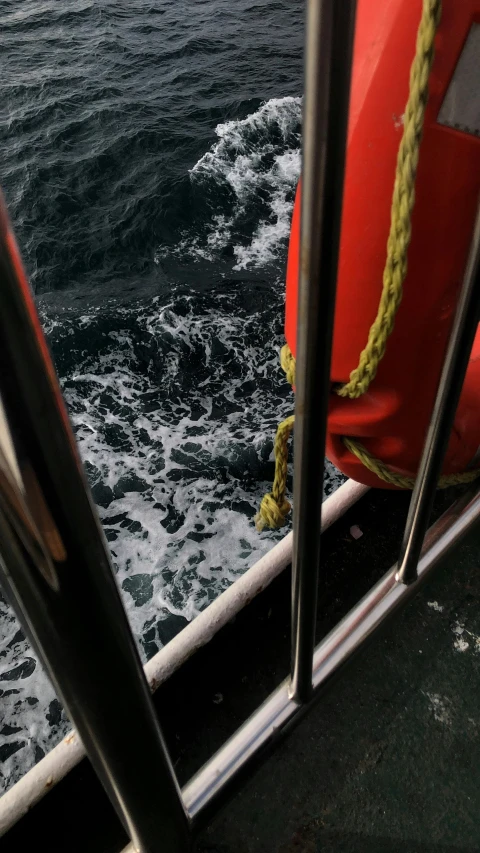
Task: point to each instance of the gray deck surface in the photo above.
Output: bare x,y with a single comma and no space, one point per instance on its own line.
389,760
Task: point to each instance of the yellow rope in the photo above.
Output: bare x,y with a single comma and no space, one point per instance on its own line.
275,507
401,480
395,270
287,361
403,200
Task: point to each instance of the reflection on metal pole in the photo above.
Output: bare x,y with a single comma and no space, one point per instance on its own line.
449,389
328,58
56,571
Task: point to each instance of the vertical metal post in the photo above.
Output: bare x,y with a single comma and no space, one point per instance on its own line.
449,389
56,571
328,59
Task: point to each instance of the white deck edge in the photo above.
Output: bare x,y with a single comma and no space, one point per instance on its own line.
56,764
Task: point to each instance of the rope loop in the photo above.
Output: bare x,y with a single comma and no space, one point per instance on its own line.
274,507
403,481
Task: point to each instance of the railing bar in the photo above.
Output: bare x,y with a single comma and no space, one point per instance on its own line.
328,55
219,776
56,571
55,765
449,389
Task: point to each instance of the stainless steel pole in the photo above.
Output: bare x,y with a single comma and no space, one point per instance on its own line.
328,57
449,389
56,571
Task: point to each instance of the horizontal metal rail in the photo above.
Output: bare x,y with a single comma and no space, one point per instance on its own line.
57,763
270,721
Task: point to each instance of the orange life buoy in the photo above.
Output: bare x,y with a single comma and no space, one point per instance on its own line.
391,418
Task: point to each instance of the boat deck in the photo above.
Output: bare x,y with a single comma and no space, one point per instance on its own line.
388,759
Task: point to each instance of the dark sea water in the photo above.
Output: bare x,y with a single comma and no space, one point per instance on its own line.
150,152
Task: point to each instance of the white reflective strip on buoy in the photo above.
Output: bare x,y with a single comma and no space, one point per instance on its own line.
461,105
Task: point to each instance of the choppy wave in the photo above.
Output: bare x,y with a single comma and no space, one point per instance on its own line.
250,173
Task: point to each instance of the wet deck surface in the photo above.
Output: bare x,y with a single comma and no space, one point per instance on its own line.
389,760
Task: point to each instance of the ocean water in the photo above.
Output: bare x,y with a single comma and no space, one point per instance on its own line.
150,155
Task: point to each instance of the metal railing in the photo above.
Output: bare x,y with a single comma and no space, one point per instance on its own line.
328,60
51,539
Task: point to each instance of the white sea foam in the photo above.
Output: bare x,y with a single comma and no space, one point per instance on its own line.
175,404
254,166
271,234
